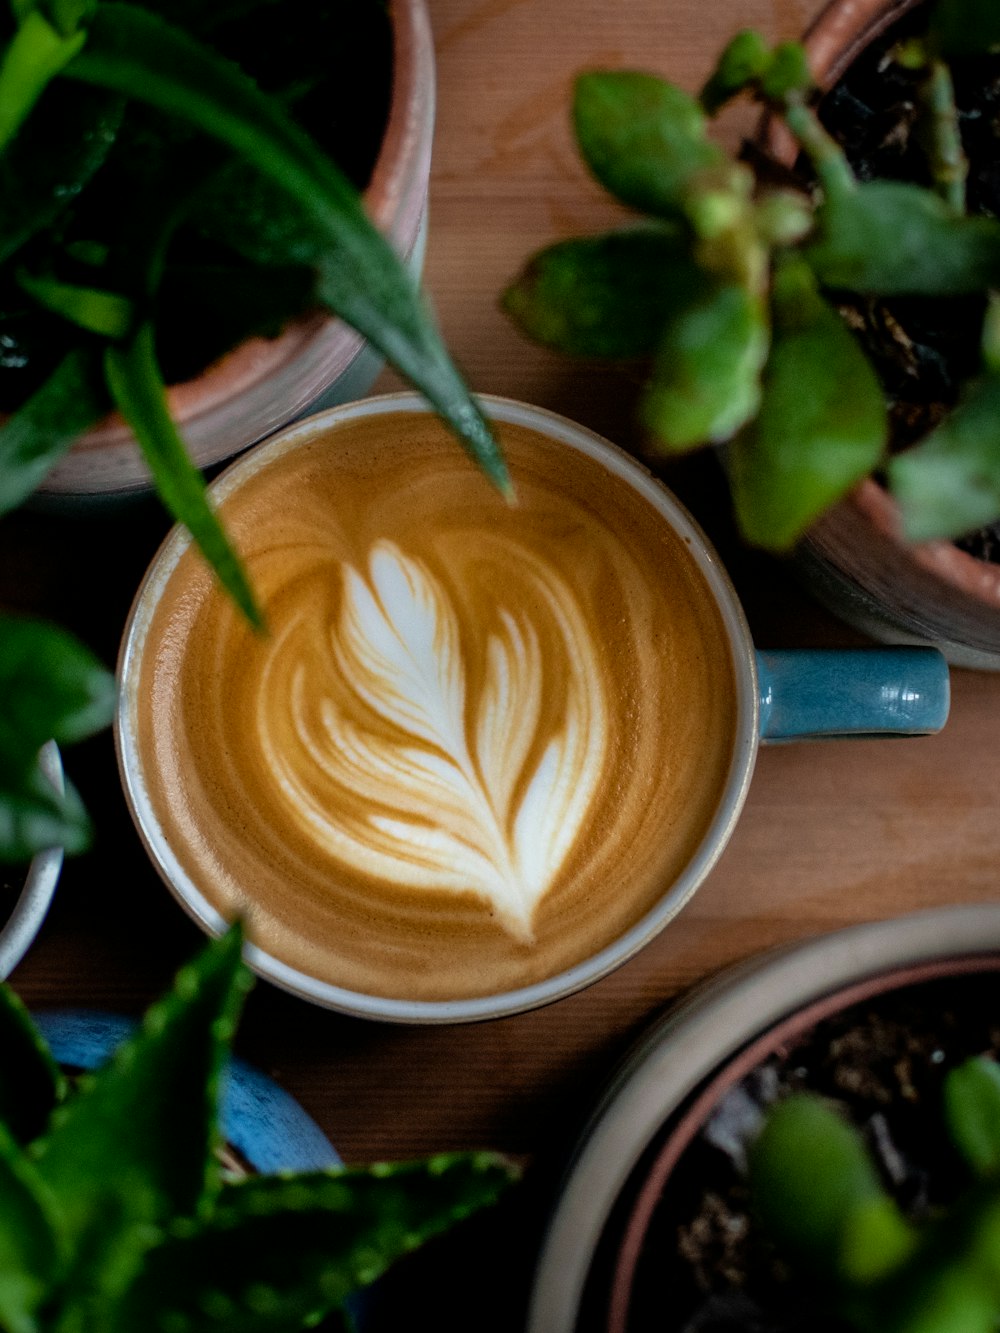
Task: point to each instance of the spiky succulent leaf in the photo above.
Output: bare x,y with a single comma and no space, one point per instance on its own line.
605,295
133,1148
643,138
972,1111
30,1080
29,1245
888,238
949,483
706,378
275,1251
822,423
34,438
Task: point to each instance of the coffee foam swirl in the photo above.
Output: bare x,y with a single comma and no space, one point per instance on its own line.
478,742
456,793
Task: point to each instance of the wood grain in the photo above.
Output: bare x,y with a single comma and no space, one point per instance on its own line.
831,835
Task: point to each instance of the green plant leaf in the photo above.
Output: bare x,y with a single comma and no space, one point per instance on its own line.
105,313
31,61
133,1148
949,484
137,388
604,295
29,1246
33,817
277,1252
135,53
810,1180
644,139
892,239
743,62
706,379
972,1111
965,27
822,424
30,1080
34,439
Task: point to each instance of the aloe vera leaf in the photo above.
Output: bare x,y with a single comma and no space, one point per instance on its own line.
134,53
134,1147
606,296
34,56
108,314
706,378
34,439
31,1082
949,483
29,1243
278,1251
972,1112
822,423
643,138
137,388
892,239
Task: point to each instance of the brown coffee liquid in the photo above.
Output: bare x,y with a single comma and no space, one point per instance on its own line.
478,743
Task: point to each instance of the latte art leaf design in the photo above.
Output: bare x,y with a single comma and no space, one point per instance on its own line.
455,793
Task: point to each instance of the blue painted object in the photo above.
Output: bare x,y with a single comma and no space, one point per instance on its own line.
261,1121
852,692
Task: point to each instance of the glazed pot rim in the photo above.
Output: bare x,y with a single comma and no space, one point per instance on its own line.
703,1032
29,911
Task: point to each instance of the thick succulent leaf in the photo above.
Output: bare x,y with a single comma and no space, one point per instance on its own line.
133,52
972,1111
52,687
644,139
743,62
892,239
965,27
278,1251
30,62
53,157
108,314
949,484
822,424
29,1245
138,389
133,1148
34,439
815,1189
706,380
606,296
30,1080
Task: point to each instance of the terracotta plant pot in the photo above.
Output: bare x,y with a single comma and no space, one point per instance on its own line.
855,559
677,1074
265,383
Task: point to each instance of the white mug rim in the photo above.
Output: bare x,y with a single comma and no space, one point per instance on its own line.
607,959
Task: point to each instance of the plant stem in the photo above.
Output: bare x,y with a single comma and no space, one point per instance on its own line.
948,163
823,151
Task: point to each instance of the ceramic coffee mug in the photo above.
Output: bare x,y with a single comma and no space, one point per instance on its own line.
486,751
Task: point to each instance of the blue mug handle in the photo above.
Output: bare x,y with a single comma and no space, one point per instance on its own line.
812,693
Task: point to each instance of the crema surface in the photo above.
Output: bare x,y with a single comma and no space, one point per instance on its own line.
478,741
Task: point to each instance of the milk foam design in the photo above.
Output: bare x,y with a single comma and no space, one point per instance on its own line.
456,793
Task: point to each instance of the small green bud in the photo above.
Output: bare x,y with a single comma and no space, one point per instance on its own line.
787,73
743,62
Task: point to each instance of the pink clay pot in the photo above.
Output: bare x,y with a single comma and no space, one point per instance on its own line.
265,383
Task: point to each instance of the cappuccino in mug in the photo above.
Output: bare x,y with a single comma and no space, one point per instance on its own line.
478,743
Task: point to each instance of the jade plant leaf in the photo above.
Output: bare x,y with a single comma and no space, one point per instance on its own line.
965,27
822,424
604,295
949,484
34,439
706,378
892,239
133,1148
743,62
277,1252
815,1189
138,389
30,1080
29,1242
972,1111
133,52
643,138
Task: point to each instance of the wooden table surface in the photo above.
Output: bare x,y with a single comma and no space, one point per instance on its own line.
831,834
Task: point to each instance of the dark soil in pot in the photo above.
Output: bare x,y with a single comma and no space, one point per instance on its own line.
923,349
704,1266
